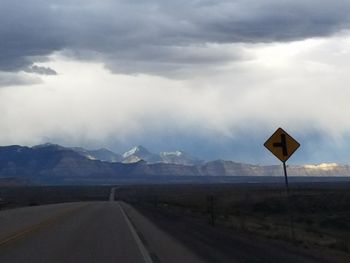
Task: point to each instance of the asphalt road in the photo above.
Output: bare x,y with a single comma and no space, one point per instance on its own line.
80,232
116,232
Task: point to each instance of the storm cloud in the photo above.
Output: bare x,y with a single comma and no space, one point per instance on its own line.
214,78
153,36
41,70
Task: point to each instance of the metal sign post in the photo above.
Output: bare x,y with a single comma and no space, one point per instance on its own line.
282,145
286,176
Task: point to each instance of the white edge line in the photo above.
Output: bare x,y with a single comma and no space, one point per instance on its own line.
138,241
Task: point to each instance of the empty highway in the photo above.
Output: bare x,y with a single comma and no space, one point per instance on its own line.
116,232
80,232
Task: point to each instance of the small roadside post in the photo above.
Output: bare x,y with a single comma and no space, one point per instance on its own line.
211,209
282,145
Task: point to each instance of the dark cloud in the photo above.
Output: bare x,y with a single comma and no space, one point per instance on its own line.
41,70
28,29
154,36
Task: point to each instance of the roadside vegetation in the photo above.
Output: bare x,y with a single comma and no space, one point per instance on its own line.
315,215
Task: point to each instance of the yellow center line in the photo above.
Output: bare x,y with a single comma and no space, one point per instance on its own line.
45,223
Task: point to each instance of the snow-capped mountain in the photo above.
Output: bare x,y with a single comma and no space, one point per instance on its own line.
179,157
138,153
135,154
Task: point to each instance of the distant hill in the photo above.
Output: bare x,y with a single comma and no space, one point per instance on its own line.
99,154
179,157
50,163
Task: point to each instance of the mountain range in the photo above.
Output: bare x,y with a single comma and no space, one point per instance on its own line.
136,154
49,162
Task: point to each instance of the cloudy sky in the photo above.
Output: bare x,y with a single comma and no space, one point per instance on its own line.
212,77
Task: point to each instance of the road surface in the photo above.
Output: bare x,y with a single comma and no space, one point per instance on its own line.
116,232
81,232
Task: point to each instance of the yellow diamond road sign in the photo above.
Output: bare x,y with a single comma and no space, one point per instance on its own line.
282,145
